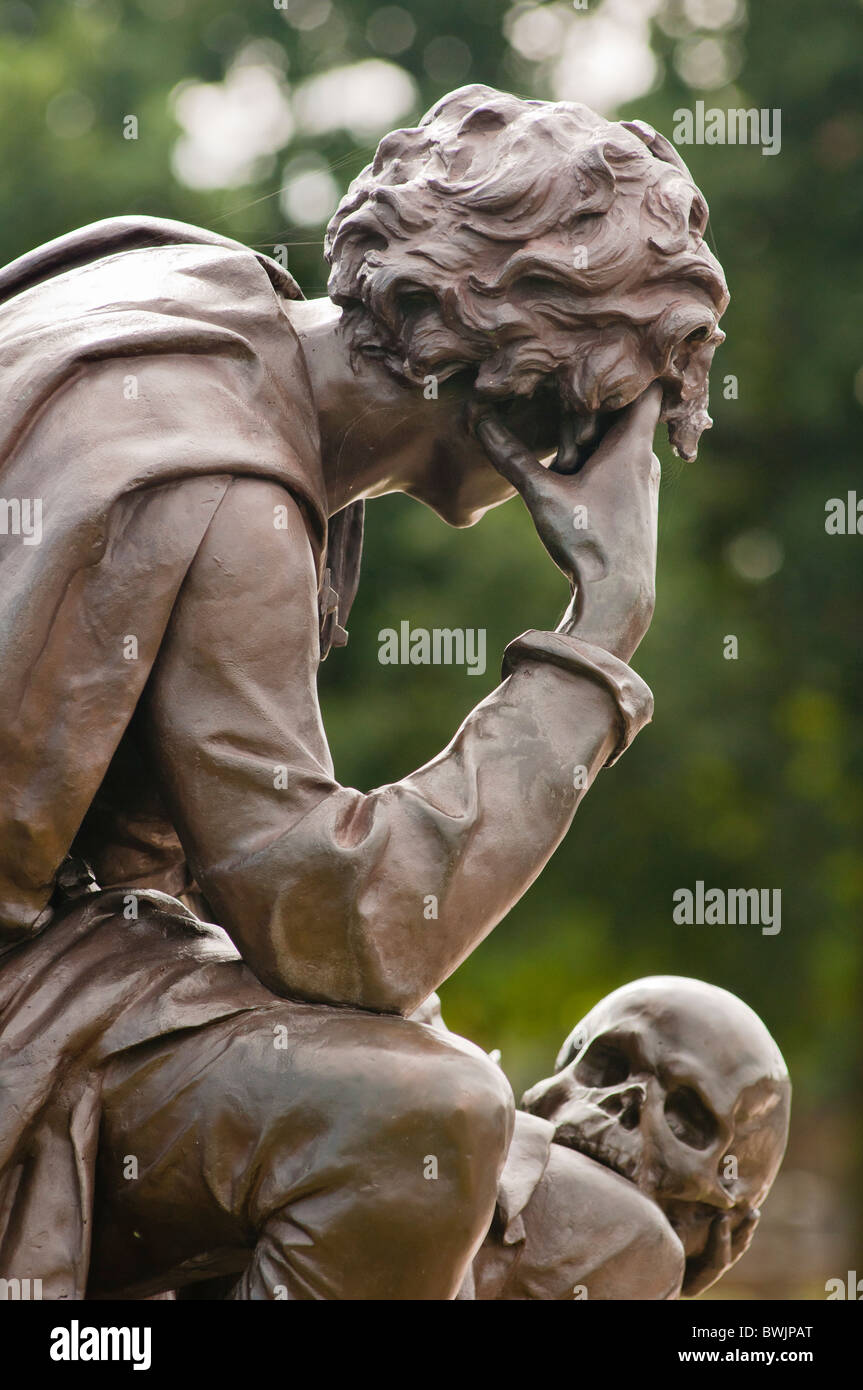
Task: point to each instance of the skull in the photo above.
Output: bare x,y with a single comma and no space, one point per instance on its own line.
678,1086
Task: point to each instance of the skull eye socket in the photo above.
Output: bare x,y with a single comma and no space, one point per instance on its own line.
603,1065
689,1119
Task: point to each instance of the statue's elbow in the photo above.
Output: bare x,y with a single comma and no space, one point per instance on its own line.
338,956
350,974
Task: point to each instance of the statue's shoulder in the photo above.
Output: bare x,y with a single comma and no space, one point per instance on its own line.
151,289
114,236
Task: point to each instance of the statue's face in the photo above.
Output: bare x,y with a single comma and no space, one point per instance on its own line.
568,381
560,414
677,1086
595,370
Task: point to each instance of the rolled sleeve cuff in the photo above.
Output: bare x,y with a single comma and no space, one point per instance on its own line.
632,696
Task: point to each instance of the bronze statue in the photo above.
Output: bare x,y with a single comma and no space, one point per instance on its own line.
181,1100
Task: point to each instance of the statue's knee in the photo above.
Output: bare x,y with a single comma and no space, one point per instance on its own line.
487,1107
469,1109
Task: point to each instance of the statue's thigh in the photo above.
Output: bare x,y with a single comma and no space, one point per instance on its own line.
206,1132
180,1116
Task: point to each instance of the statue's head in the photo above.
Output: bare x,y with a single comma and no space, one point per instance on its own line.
678,1086
554,256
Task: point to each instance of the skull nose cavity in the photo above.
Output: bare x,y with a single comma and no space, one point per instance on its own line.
626,1105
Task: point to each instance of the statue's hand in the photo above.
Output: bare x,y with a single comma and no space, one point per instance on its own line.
598,525
730,1236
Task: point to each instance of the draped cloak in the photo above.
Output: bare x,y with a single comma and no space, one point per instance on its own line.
187,332
150,374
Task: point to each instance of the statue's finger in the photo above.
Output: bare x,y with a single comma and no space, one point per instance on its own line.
720,1237
509,456
742,1237
644,412
633,429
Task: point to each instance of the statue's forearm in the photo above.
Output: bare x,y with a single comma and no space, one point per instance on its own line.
370,900
374,899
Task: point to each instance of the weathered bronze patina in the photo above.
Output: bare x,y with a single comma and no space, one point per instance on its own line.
198,443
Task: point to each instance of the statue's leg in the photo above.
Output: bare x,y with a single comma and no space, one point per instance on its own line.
317,1153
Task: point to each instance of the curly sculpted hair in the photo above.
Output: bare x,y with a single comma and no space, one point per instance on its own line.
532,241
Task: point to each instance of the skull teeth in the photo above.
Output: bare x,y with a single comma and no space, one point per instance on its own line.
601,1152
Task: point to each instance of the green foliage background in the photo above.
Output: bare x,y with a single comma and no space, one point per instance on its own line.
752,773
